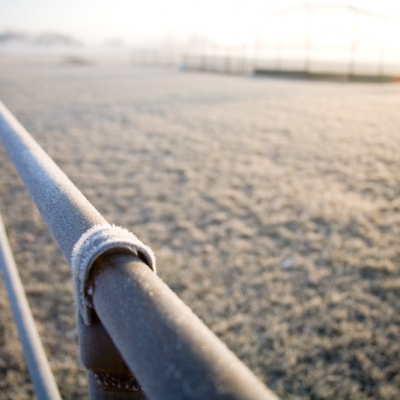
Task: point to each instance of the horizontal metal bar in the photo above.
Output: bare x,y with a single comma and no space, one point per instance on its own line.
168,349
38,366
65,210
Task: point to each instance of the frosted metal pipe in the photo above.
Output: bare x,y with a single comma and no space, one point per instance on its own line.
65,210
38,366
167,348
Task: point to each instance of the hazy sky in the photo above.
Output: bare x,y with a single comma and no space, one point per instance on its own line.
137,20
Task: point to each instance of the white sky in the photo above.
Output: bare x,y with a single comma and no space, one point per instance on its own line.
226,21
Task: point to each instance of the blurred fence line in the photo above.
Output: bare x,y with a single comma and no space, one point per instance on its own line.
308,39
137,339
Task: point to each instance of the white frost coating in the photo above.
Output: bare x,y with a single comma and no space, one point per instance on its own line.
92,244
65,210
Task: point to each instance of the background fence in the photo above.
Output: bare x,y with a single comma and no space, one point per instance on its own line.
307,38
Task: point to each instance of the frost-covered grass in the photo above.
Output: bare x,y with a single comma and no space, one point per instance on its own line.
272,206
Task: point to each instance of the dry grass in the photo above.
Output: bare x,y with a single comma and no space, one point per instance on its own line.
272,206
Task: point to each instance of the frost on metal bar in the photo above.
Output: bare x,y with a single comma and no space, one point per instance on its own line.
65,210
170,352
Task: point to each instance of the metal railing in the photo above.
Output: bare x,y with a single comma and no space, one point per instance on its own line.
141,340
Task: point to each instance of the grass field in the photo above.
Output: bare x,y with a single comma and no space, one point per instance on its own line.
272,206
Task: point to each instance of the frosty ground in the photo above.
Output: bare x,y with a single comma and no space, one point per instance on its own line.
272,206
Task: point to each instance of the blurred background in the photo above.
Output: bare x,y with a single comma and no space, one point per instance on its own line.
354,38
